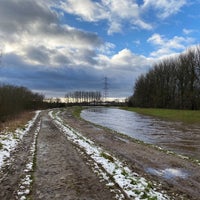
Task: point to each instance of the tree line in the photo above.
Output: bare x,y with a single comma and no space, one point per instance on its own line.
14,100
83,97
171,83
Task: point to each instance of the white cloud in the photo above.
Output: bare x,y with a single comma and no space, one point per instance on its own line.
118,12
114,27
142,24
114,11
165,8
87,9
123,9
137,42
124,60
107,48
188,31
166,46
156,39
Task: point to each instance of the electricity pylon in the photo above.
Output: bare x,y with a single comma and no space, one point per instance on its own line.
105,88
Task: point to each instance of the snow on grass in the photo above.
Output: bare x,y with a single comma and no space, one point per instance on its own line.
131,183
9,140
26,180
178,155
103,176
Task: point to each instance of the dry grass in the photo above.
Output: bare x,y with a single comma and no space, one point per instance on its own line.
18,121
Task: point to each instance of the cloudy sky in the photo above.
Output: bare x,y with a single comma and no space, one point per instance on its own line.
54,47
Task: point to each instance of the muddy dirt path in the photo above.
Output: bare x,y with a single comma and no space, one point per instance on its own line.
180,177
12,172
61,171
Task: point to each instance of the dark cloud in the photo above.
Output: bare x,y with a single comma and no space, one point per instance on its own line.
68,36
59,81
39,53
47,79
17,15
61,59
33,31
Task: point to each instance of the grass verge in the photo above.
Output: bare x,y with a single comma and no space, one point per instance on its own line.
77,111
187,116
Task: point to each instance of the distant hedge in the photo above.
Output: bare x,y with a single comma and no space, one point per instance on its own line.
171,83
14,99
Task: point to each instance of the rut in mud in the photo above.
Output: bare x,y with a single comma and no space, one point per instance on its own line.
14,167
61,172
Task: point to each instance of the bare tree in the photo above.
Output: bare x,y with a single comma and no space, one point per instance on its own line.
83,97
171,83
14,100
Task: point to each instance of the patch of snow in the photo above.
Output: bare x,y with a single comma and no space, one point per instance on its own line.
25,183
179,155
9,140
130,182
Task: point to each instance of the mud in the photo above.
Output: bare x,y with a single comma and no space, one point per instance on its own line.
13,169
141,157
62,172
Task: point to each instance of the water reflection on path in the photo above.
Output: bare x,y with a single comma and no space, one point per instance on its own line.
176,136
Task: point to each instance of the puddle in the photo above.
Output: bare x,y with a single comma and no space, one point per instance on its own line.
44,125
45,121
122,139
169,173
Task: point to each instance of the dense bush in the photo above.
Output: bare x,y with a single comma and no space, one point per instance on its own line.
171,83
14,100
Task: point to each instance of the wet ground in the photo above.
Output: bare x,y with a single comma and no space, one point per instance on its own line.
180,177
12,171
181,138
61,171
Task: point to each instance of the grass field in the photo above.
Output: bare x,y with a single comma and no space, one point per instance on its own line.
187,116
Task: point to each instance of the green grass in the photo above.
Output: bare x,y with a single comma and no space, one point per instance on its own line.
107,156
1,146
77,111
187,116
